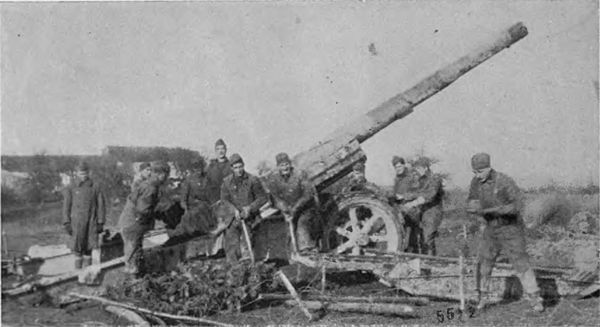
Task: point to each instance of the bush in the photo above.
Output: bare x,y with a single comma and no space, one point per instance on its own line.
9,197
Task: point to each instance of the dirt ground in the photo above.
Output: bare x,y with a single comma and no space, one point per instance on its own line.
43,227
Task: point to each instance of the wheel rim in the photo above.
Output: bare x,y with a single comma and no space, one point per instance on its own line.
364,224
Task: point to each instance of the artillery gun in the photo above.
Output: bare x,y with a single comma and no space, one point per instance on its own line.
331,159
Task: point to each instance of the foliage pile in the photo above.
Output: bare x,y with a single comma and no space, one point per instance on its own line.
199,289
556,246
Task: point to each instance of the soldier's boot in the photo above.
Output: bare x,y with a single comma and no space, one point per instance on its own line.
87,261
78,262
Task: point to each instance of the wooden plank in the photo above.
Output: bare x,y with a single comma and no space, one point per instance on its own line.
395,309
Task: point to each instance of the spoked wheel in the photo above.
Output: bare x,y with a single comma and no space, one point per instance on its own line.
365,222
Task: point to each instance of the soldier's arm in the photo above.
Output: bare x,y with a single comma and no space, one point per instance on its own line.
185,194
145,201
225,194
260,196
67,202
473,195
306,193
511,196
431,190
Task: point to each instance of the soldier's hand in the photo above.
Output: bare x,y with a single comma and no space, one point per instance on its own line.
399,197
69,229
245,212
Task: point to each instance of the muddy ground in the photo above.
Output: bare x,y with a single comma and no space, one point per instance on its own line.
43,227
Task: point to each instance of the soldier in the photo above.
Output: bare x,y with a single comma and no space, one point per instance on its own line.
194,200
83,215
138,215
496,198
144,173
292,193
217,170
428,200
246,193
404,183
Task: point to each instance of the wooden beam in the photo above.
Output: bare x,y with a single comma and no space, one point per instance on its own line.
361,307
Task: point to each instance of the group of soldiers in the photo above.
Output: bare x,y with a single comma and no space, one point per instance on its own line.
417,194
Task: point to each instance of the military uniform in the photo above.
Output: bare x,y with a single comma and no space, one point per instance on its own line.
243,191
215,173
430,189
136,218
404,185
292,194
84,214
501,202
195,201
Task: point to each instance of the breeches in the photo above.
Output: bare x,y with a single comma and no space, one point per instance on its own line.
510,240
304,229
133,237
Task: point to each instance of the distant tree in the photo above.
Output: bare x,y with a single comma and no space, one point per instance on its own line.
432,161
43,178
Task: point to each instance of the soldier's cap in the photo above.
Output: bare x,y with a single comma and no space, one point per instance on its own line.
82,166
282,157
235,158
220,142
396,160
480,160
359,166
422,162
160,167
144,165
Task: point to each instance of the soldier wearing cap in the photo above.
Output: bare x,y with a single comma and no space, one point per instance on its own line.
138,215
497,198
143,174
428,196
246,193
217,170
404,185
292,193
84,214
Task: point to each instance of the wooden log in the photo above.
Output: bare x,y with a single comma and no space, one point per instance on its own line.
364,299
550,270
294,294
248,241
461,280
129,315
402,310
49,281
143,310
323,278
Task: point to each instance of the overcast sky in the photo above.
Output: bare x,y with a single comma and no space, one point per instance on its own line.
270,77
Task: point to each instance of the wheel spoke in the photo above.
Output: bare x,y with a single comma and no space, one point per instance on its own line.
369,224
344,246
343,232
353,218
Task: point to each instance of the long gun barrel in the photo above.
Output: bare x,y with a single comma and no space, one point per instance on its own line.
403,103
332,158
